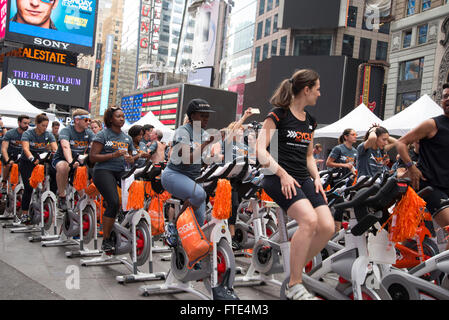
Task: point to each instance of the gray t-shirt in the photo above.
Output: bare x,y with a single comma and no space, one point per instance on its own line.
185,135
141,161
341,154
38,144
112,142
369,161
79,141
15,141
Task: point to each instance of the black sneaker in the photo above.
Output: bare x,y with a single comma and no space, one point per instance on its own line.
171,235
108,246
25,219
235,245
62,204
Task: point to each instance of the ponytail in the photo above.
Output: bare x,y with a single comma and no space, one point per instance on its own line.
289,88
345,133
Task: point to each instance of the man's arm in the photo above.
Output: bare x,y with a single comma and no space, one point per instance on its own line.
5,145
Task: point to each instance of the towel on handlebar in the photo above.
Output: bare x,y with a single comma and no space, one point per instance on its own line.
37,176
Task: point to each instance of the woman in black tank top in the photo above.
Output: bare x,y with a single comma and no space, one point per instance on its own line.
294,183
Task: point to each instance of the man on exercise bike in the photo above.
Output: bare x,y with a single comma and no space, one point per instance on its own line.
432,168
73,140
12,146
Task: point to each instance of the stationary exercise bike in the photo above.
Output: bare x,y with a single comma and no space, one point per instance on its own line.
42,210
12,200
132,233
79,224
217,269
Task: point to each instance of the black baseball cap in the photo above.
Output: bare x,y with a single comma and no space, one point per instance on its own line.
198,105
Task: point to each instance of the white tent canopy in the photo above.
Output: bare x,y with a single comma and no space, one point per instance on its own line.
360,119
150,118
12,103
409,118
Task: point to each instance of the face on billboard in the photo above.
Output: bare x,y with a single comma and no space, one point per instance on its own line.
46,82
57,24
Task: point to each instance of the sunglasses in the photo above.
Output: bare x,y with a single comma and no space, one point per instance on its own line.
116,108
48,1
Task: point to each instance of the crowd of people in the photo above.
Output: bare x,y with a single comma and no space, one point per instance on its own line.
292,179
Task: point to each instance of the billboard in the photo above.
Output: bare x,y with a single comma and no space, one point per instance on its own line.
44,55
301,15
107,67
49,83
371,87
97,65
206,26
3,14
56,24
201,76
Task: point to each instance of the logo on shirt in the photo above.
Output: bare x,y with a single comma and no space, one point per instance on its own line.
299,136
117,145
78,144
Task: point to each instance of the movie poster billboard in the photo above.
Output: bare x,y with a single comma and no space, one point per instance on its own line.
56,24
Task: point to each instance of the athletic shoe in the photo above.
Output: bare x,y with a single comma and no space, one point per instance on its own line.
25,219
3,191
299,292
235,245
171,235
107,245
62,204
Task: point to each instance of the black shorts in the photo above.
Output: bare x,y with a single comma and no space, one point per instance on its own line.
433,199
272,186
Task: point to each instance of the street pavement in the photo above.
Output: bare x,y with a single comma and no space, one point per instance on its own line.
29,271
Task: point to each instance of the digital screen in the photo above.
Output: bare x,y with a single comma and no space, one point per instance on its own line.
57,24
200,76
52,56
46,82
107,68
3,15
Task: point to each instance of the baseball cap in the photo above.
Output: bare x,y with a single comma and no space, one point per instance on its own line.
198,105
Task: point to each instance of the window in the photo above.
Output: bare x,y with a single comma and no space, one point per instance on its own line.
348,45
267,27
275,23
269,5
256,56
283,46
274,47
384,28
381,50
365,49
277,3
411,69
352,16
312,45
407,40
261,7
405,99
411,7
422,34
426,4
259,30
265,51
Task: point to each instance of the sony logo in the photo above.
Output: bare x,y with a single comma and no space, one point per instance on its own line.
51,43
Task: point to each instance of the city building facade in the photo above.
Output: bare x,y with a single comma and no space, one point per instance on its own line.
419,53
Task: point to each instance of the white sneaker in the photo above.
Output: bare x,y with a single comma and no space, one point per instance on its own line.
299,292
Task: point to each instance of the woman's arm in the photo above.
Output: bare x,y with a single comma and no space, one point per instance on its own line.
95,156
26,149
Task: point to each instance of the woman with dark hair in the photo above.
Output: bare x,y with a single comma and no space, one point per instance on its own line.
344,156
111,150
184,166
293,181
372,151
34,142
140,149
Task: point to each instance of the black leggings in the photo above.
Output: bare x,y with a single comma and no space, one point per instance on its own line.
26,168
106,182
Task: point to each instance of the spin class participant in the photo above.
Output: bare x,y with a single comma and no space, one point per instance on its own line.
73,140
34,142
372,151
293,181
96,126
136,134
12,145
344,156
184,166
432,168
111,150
